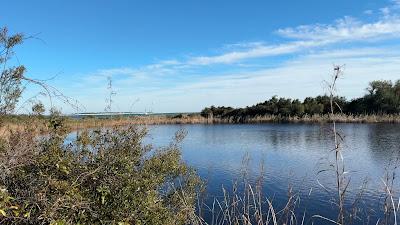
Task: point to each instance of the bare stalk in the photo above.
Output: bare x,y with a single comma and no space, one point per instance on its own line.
341,183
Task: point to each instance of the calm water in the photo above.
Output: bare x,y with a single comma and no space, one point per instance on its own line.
292,155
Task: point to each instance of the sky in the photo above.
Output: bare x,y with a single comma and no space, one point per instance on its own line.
184,55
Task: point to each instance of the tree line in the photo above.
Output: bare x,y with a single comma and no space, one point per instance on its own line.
382,97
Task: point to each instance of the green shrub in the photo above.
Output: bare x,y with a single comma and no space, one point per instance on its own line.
104,177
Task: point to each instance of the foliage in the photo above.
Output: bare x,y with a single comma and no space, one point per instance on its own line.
383,97
104,177
38,109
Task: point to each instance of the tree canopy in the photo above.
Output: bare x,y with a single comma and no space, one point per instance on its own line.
382,97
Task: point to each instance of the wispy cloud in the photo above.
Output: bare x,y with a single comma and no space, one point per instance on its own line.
298,39
159,69
368,12
193,83
346,29
306,37
256,52
296,78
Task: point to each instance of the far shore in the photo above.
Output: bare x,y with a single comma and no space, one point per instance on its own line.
197,119
16,123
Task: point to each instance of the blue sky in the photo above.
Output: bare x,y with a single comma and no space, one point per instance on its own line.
181,56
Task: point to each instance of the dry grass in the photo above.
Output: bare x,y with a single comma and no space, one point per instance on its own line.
339,118
136,120
76,124
197,119
250,207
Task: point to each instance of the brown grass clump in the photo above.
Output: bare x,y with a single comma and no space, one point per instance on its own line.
197,119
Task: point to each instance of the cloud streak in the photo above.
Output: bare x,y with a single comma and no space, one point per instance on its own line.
347,29
298,39
296,78
193,82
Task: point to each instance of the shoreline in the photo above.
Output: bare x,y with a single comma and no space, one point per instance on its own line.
197,119
19,123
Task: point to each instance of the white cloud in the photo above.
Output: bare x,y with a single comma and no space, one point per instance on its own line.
256,52
315,47
346,29
297,78
368,12
305,37
160,69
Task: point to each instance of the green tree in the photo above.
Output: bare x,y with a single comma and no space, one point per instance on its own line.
38,108
297,108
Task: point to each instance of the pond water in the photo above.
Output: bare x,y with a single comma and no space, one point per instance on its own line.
290,155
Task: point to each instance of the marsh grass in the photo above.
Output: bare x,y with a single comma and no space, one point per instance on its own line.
246,202
197,119
18,122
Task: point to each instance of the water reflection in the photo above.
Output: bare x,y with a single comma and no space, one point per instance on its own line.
383,141
292,155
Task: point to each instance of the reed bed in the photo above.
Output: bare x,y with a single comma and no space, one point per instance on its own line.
41,126
197,119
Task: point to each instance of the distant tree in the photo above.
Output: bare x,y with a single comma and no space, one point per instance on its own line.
381,97
38,108
206,112
284,106
297,108
311,106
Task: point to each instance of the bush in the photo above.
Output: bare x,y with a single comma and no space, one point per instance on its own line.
104,177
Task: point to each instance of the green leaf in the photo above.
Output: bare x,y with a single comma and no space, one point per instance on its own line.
2,212
27,215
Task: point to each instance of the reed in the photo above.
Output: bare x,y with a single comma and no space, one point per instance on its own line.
246,203
197,119
18,123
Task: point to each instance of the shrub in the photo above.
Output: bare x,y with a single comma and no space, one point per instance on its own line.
104,177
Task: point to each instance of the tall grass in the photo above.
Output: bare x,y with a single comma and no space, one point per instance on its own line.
18,122
197,119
